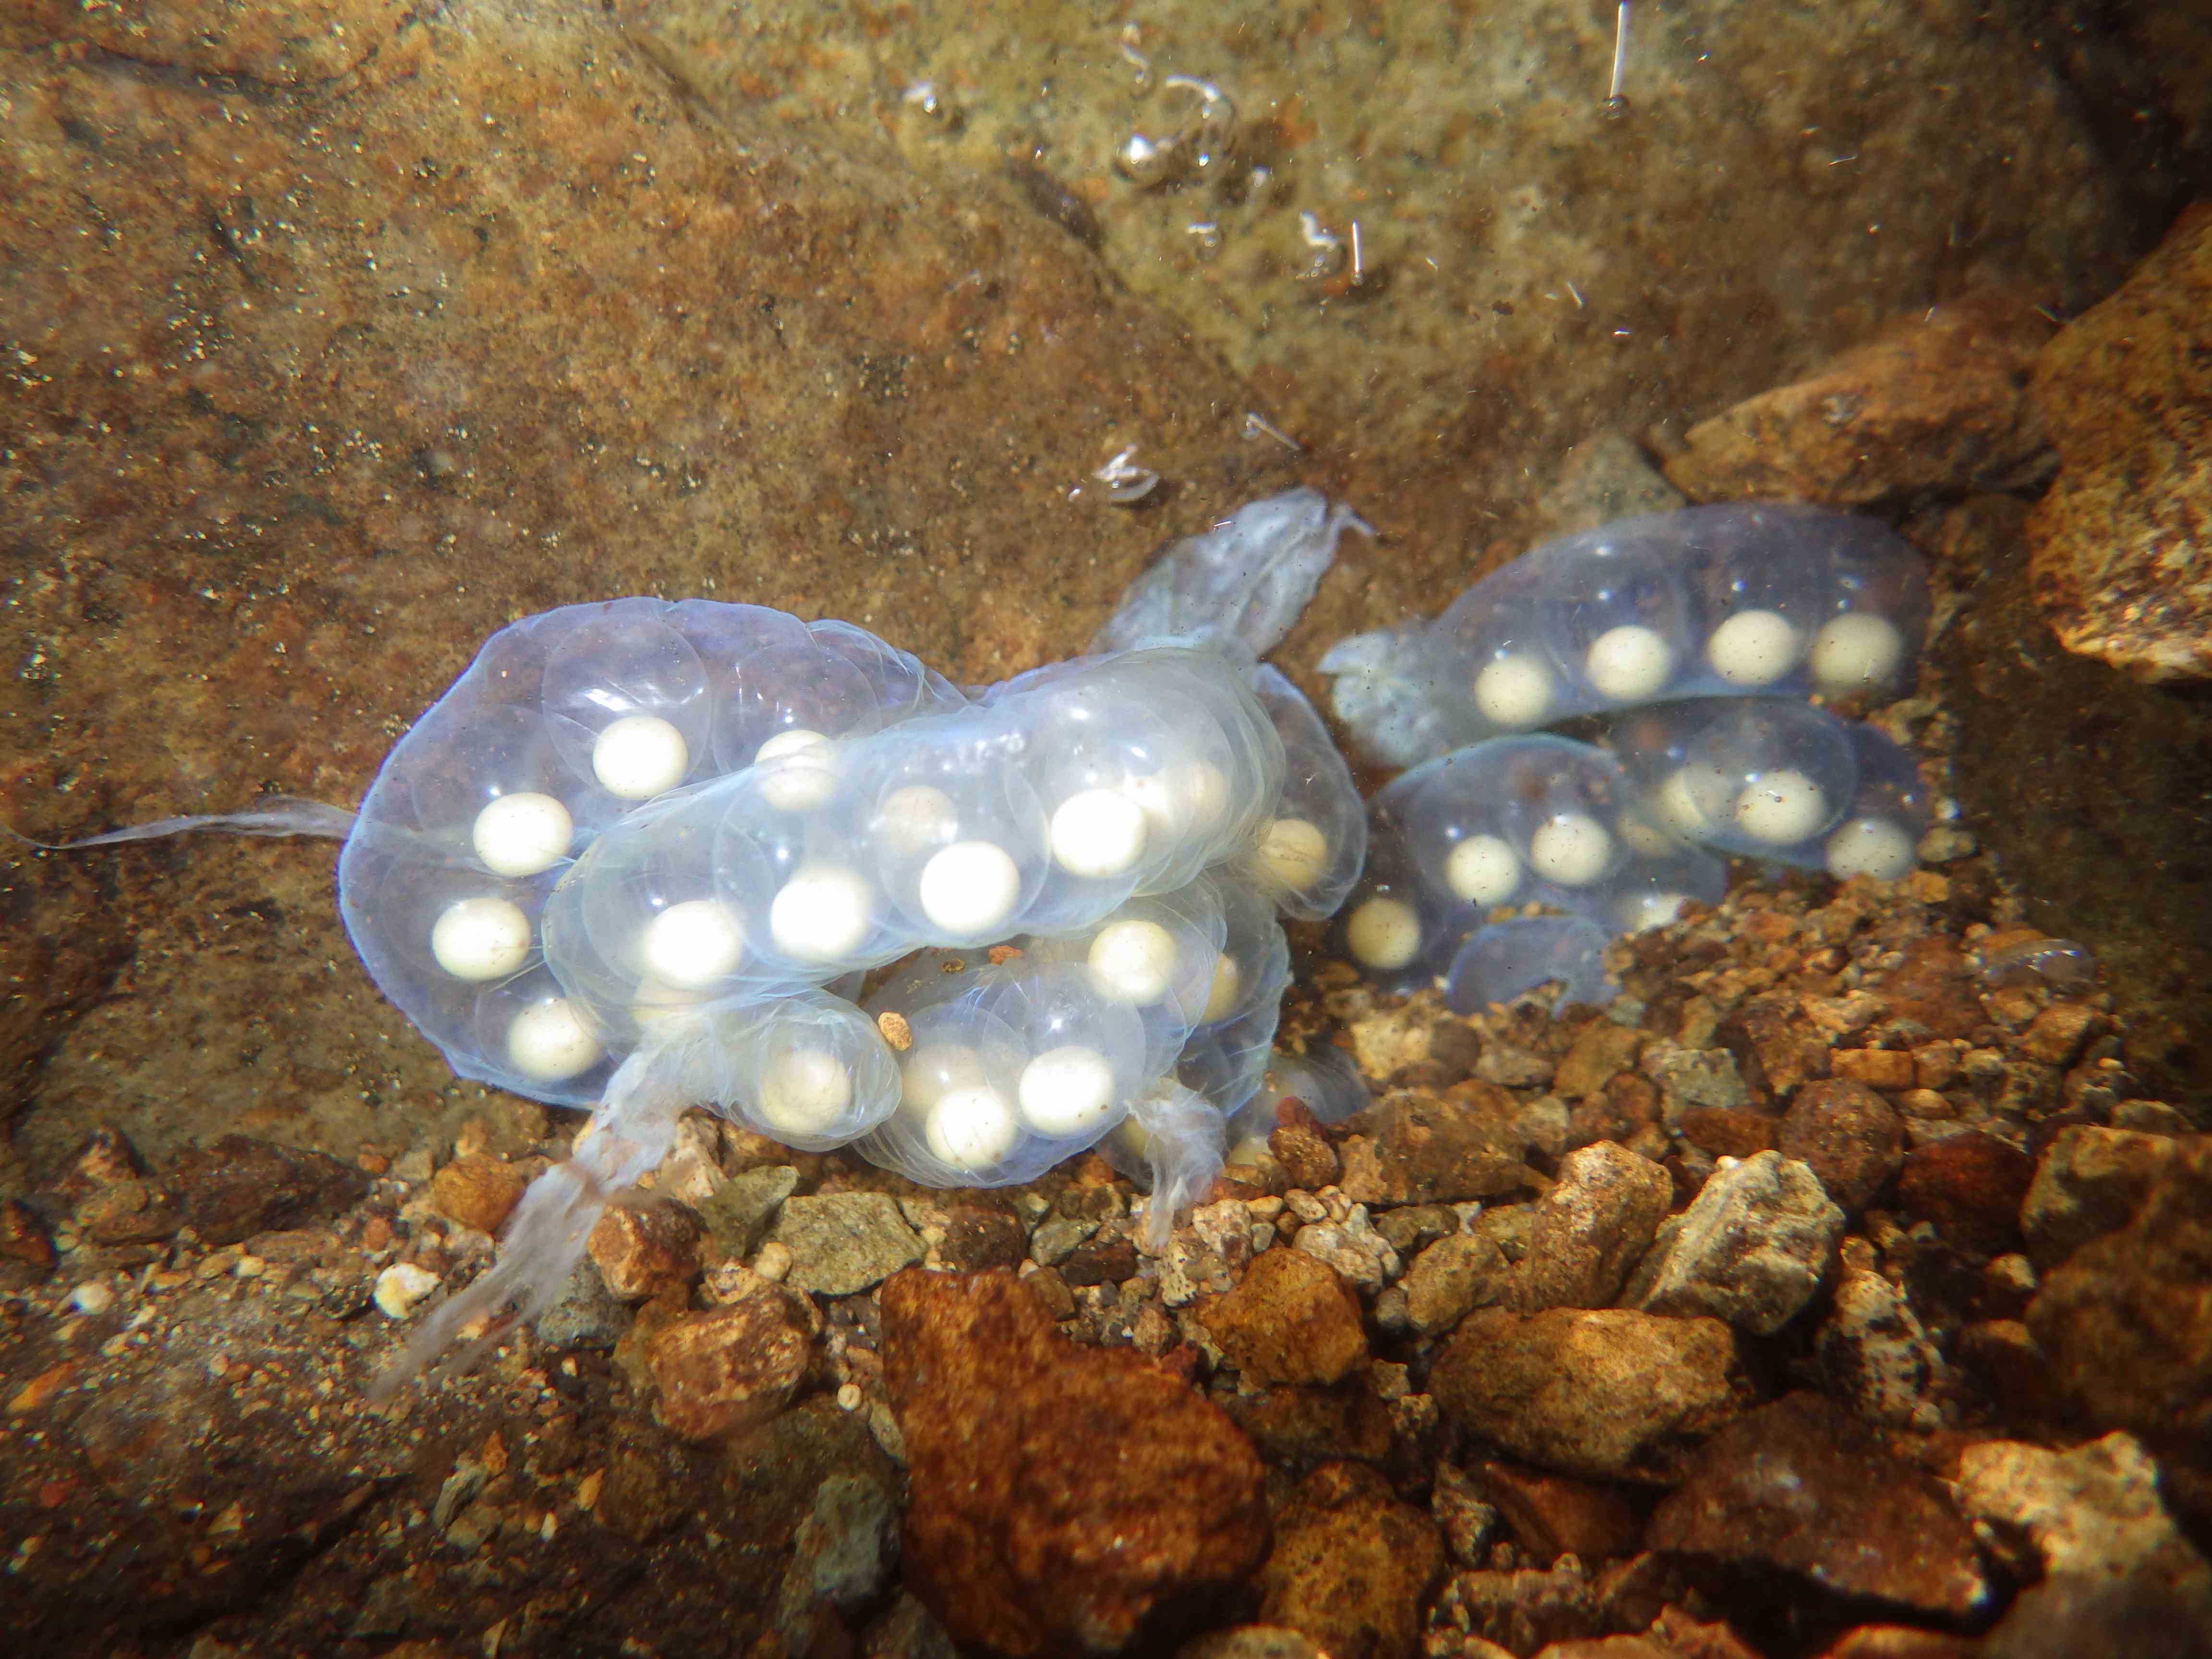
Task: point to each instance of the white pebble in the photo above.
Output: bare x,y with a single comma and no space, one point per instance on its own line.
1224,990
1098,833
550,1041
1066,1091
803,1092
822,913
522,834
482,938
798,786
1293,855
694,943
1514,691
1384,933
1571,848
1629,663
95,1296
970,888
639,756
1781,808
1752,648
1871,847
401,1287
971,1128
1131,961
1483,870
1854,651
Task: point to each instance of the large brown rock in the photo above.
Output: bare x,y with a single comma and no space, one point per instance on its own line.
1801,1493
1605,1393
1061,1495
2122,545
2127,1323
1937,401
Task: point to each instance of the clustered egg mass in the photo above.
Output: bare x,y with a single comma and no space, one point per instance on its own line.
643,846
1696,639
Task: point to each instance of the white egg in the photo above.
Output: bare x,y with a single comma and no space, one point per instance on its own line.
1224,990
694,943
1856,650
1483,870
1131,961
1384,933
1752,648
523,834
1514,691
1629,663
822,914
913,819
808,775
928,1074
1098,833
803,1092
1292,855
971,1128
970,888
1781,808
550,1041
1571,848
639,756
1688,798
480,939
1066,1091
1871,847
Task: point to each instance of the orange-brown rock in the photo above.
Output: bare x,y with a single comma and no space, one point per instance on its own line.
641,1250
1938,400
1061,1495
731,1367
1351,1565
2121,547
1292,1319
478,1192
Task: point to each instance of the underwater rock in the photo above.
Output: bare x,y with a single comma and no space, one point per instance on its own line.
1291,1320
1801,1492
1935,402
2121,548
1751,1249
1059,1495
1592,1227
2128,1326
1351,1565
1606,1393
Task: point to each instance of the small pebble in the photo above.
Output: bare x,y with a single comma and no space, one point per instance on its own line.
400,1287
95,1296
774,1261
